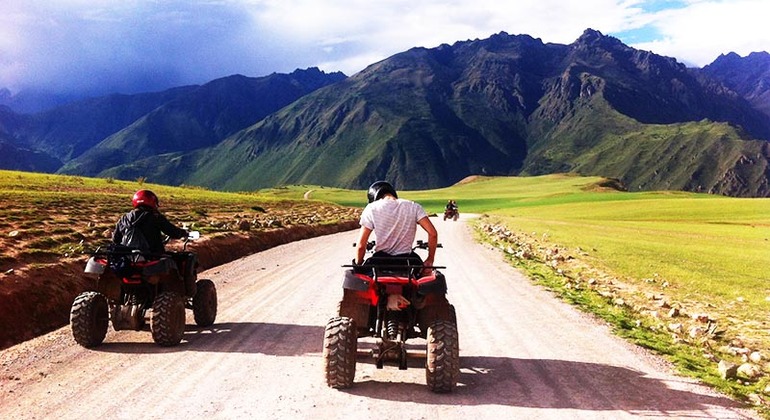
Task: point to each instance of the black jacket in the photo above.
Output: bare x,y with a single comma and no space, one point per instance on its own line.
151,223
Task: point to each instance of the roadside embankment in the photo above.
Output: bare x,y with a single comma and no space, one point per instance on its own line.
37,299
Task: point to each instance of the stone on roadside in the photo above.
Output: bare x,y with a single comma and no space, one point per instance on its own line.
696,331
727,370
749,371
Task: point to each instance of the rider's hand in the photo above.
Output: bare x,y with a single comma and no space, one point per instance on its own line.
428,269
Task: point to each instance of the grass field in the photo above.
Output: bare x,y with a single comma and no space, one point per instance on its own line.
46,217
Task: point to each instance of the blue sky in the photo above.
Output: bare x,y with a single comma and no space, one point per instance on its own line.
129,46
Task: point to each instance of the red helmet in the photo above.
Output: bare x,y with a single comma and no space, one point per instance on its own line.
145,198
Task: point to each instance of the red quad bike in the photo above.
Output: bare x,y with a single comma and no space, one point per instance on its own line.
363,312
133,287
453,214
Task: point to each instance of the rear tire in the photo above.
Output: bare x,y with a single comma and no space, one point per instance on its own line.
442,368
89,319
204,303
340,347
168,319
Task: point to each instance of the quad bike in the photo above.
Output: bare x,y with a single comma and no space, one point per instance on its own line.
134,287
365,311
451,213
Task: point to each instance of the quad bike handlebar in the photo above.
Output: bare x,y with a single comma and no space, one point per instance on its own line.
420,244
192,235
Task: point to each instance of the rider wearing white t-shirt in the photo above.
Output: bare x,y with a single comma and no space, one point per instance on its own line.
394,222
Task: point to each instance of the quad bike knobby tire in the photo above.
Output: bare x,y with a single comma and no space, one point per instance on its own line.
340,347
168,319
204,303
89,318
442,367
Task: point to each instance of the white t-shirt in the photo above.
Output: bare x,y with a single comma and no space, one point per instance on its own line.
394,223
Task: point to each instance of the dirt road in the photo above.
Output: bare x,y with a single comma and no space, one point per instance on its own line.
523,355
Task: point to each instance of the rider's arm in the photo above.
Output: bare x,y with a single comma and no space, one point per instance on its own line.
169,229
363,238
427,225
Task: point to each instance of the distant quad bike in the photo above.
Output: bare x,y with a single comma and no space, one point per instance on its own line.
363,312
133,288
452,214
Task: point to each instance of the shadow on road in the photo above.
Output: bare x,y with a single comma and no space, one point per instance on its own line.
230,337
557,384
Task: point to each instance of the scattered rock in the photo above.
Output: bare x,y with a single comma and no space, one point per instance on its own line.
673,313
757,399
696,331
749,371
700,318
727,370
14,234
755,357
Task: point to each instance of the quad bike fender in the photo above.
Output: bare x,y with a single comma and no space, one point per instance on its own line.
434,307
108,284
432,285
356,305
354,282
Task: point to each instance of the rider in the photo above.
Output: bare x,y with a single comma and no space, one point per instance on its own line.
394,221
146,220
149,221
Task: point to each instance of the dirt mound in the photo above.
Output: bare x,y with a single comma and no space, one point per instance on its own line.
37,299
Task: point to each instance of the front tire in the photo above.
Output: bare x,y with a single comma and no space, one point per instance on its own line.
340,347
168,319
204,303
442,368
89,319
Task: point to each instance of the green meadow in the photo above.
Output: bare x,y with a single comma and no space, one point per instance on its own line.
711,248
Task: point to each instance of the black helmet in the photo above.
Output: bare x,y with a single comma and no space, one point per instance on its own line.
379,189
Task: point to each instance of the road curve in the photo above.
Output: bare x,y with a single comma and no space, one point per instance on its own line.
524,354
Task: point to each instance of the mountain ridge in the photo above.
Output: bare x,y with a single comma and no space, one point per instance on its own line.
429,117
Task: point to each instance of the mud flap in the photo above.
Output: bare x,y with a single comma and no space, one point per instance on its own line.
355,307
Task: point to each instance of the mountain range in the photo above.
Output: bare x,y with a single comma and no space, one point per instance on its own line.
427,118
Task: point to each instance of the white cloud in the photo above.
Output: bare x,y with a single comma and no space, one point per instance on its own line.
703,30
143,44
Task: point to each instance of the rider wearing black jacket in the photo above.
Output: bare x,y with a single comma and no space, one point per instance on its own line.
146,220
149,221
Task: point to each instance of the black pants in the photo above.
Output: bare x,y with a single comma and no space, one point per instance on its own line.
399,263
188,268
